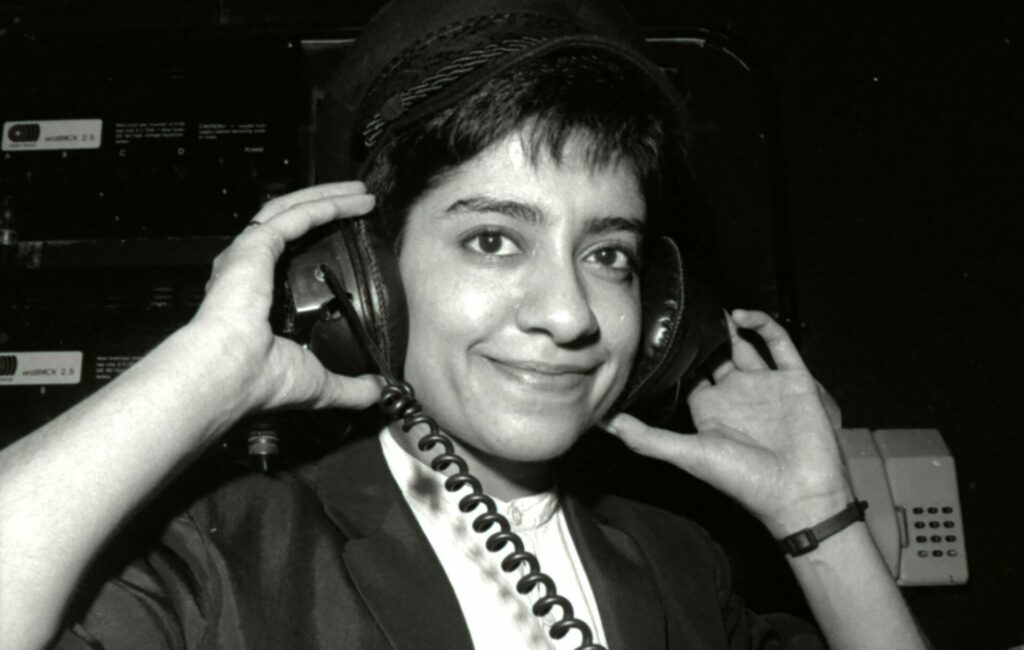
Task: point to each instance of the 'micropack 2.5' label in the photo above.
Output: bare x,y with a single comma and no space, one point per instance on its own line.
43,135
40,368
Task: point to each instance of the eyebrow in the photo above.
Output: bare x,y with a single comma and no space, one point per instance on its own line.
531,213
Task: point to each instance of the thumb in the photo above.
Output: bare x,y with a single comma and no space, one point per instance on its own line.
682,450
351,393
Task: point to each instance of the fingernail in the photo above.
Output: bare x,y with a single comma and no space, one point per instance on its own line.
607,427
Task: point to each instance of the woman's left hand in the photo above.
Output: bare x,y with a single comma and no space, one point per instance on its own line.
764,436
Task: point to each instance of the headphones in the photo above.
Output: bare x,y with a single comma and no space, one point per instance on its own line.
400,70
683,323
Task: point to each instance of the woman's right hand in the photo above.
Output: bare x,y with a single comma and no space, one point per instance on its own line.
233,318
69,485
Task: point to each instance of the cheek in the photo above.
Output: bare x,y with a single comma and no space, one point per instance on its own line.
469,303
440,308
449,310
628,325
620,318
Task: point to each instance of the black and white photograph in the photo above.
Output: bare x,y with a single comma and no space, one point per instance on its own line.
511,325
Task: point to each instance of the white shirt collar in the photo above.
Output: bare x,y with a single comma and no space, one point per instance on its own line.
419,483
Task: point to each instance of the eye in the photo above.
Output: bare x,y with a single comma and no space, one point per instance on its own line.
615,261
491,242
612,258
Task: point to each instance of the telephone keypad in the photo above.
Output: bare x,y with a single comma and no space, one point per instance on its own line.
924,519
920,474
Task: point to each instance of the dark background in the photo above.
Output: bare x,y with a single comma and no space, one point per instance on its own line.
882,140
902,133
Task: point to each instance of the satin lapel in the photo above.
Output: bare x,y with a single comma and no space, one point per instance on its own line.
631,609
389,558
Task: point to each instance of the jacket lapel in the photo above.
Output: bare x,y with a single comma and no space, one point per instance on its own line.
389,558
621,579
404,586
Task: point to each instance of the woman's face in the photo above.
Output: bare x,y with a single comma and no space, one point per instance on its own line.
524,304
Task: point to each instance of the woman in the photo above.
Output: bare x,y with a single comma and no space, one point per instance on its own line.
520,191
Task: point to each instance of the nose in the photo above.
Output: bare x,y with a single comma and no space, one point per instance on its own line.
556,303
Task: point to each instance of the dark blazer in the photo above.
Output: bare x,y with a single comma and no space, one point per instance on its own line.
330,556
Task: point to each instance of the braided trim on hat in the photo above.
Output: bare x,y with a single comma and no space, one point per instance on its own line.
414,53
448,55
397,104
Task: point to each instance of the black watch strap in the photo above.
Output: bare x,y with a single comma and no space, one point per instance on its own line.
808,539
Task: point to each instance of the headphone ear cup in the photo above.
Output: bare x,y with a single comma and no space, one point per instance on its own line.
368,270
683,324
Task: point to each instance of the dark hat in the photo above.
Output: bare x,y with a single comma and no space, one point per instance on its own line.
417,57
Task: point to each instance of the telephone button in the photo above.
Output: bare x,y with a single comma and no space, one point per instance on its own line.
952,552
933,524
922,554
947,509
950,538
949,524
921,539
933,510
918,524
936,538
919,510
937,553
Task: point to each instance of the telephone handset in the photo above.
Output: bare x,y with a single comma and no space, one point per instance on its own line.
348,304
908,477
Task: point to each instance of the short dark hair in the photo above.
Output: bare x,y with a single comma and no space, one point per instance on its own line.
550,100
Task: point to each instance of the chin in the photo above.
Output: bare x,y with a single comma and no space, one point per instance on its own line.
534,438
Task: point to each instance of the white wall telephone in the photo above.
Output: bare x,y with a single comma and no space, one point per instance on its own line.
908,478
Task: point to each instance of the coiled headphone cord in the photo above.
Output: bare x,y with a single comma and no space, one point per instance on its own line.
398,402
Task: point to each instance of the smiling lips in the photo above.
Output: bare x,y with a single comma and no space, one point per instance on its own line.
543,376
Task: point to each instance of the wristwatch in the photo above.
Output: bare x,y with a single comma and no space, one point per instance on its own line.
808,539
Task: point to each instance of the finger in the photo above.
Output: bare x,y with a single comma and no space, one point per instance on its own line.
719,372
295,377
279,204
698,392
744,354
835,414
300,218
697,389
250,259
683,451
701,384
783,352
